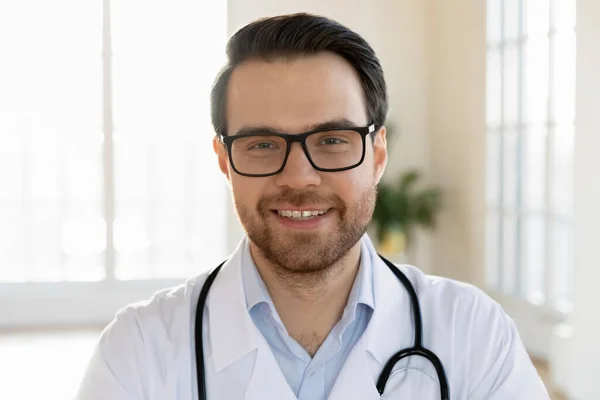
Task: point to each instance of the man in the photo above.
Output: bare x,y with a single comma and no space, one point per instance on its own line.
305,308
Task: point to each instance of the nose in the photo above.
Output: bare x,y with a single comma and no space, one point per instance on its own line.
298,172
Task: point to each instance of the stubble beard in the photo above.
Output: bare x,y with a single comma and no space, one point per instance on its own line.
307,257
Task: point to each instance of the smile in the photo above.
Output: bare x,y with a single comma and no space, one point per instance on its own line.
301,215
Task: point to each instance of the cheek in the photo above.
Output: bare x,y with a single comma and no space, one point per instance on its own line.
351,185
246,191
363,176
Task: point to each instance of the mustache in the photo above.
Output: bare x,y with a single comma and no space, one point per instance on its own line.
301,198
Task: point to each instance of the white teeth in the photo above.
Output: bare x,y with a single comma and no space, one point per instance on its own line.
300,214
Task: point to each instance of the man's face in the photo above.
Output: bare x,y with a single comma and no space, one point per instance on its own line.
291,97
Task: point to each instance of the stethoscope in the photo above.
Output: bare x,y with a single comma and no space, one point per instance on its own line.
416,350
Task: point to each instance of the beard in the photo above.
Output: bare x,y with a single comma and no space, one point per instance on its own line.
307,253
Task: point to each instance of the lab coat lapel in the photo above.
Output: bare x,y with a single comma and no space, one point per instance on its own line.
267,380
389,330
392,325
234,335
355,380
232,331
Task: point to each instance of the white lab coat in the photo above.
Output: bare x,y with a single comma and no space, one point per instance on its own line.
147,352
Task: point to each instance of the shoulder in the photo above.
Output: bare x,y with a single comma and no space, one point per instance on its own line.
471,324
470,319
164,314
147,329
144,344
452,297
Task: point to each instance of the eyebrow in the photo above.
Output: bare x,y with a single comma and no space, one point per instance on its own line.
332,124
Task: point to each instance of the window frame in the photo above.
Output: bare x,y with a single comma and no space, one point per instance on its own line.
94,303
511,287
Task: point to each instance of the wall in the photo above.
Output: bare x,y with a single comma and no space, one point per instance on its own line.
580,346
396,29
457,33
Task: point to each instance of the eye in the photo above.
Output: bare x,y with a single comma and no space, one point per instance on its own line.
262,146
332,140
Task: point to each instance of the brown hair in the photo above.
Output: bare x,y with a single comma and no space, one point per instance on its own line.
297,35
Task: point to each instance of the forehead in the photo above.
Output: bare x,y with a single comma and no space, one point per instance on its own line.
291,95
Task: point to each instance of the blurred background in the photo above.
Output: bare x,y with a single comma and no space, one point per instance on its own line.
109,190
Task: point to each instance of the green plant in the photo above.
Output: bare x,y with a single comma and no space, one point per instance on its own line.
401,205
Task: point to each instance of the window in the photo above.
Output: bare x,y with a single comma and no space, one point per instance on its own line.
106,164
530,131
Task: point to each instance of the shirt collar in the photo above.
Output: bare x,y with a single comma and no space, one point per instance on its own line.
361,292
256,291
362,289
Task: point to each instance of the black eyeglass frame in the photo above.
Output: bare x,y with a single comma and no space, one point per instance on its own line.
300,138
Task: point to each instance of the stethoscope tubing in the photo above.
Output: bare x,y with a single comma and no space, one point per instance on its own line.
416,350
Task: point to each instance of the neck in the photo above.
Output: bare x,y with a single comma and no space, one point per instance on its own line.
310,305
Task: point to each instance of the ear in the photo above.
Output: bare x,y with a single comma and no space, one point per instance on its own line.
221,152
380,153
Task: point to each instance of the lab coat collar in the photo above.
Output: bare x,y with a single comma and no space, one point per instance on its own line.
389,330
392,320
232,332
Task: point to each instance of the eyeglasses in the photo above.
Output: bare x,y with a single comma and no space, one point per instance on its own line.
265,154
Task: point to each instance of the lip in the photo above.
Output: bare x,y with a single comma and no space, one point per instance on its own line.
307,224
303,208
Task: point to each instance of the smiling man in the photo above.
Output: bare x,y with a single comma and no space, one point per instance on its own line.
305,308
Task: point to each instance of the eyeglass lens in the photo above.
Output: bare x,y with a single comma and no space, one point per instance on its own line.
265,154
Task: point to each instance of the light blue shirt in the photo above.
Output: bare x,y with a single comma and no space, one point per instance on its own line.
310,378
